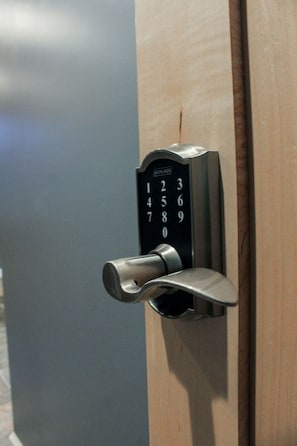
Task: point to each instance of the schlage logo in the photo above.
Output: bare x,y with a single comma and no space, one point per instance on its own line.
162,171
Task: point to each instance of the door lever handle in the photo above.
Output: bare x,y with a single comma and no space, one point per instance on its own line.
145,278
124,279
200,282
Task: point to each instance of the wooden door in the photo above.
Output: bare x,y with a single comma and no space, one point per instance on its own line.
223,74
190,90
272,44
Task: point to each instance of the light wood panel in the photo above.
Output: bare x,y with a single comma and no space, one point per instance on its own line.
272,37
190,90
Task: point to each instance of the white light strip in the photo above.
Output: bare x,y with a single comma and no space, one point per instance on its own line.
14,440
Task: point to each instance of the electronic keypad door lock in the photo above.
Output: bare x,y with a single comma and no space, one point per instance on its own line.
180,270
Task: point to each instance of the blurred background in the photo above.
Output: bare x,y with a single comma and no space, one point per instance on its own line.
68,152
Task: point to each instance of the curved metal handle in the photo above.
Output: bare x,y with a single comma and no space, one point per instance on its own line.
125,278
143,278
200,282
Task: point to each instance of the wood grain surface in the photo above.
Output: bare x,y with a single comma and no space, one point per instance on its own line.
190,91
272,41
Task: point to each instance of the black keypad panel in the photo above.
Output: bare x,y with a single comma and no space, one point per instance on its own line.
164,212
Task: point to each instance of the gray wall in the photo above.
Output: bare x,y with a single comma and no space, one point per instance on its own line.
68,149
